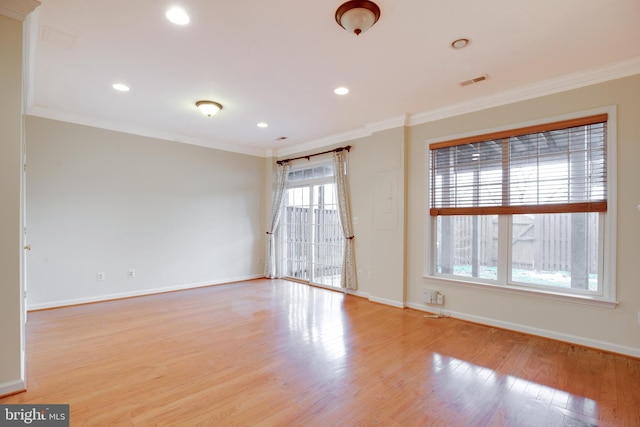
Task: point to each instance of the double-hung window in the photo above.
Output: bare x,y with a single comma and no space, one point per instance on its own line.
525,209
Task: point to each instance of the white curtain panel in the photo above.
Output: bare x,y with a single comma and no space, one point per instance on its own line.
271,270
349,280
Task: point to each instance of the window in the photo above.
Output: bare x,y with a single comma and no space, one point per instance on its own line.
525,209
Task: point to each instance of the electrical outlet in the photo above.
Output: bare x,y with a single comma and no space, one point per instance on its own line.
100,276
440,299
430,296
639,318
131,273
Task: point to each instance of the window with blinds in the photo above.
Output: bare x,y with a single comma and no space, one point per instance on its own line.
526,209
553,168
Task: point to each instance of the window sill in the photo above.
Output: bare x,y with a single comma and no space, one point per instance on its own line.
557,296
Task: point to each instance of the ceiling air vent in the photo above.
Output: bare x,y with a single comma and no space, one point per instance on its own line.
474,80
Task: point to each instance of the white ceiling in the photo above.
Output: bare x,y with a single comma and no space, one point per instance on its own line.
279,61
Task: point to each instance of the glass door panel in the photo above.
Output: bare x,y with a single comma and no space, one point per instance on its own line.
296,233
328,241
313,243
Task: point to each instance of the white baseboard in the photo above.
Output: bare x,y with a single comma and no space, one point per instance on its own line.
137,293
12,387
573,339
359,294
385,301
375,299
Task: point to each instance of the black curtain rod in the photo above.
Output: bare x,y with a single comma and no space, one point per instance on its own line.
280,162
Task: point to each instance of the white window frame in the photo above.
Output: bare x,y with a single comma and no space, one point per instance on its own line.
310,165
607,238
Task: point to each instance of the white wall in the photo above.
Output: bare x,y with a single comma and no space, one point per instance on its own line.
104,201
376,178
10,212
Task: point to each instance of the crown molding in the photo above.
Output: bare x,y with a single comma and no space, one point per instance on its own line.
394,122
612,71
48,113
366,130
323,142
615,70
564,83
18,9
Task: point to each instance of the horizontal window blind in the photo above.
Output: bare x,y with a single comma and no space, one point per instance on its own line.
552,168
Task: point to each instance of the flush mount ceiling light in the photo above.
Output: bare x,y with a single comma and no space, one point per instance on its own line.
263,125
341,90
208,108
357,16
460,43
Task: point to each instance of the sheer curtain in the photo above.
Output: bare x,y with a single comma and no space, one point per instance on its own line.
349,264
271,270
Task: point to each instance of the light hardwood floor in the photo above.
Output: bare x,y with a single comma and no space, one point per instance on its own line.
277,353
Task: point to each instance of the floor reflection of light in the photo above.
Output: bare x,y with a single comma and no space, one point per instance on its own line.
516,385
464,375
487,375
437,363
317,319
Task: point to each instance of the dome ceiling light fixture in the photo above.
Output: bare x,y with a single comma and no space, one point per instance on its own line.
357,16
208,108
460,43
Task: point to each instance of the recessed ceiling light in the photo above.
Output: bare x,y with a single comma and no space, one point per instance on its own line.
178,16
263,125
460,43
121,87
341,91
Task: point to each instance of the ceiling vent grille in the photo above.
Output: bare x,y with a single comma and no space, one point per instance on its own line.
474,80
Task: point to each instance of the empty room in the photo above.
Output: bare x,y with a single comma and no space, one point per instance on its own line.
393,213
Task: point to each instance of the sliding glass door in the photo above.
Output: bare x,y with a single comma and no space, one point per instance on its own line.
311,237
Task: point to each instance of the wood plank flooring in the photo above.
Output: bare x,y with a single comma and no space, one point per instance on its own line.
278,353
